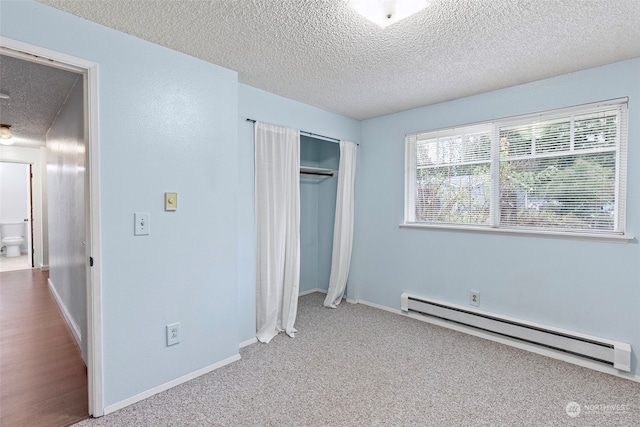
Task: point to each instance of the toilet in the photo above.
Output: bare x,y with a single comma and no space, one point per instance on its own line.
12,238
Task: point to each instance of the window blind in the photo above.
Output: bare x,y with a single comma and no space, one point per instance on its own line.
558,170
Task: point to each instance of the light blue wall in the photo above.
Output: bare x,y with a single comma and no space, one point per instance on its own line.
167,122
266,107
309,152
317,212
328,157
585,286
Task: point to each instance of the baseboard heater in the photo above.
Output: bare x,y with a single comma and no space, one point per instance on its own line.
614,353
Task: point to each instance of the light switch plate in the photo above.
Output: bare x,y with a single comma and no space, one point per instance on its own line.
170,201
142,224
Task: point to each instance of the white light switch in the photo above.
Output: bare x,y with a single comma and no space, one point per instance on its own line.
142,224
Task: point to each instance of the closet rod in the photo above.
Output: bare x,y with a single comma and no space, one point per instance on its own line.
310,134
312,170
316,173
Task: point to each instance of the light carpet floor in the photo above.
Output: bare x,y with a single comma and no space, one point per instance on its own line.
360,366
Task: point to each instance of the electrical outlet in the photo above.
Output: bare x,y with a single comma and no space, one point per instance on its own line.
173,334
474,298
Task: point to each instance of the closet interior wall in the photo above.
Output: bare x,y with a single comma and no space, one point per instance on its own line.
317,212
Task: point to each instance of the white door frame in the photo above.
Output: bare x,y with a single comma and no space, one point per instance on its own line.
89,70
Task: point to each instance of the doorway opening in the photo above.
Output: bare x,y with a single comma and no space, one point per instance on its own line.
16,216
81,159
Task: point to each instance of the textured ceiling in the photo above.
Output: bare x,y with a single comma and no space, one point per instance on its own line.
322,53
36,94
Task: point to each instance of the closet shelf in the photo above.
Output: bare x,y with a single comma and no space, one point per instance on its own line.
308,170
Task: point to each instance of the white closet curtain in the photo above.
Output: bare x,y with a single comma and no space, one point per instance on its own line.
277,172
343,227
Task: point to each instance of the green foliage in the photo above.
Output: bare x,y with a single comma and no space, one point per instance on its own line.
544,180
454,194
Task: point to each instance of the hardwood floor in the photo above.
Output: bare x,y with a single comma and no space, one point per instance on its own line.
43,380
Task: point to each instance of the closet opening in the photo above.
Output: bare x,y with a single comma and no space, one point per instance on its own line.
319,162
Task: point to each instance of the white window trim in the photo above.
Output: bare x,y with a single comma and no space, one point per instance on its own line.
621,161
620,238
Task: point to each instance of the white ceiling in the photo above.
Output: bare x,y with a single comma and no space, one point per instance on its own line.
322,53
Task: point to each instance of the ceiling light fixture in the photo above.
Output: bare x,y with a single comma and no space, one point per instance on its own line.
4,95
6,137
387,12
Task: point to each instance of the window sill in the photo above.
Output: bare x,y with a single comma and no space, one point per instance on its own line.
619,238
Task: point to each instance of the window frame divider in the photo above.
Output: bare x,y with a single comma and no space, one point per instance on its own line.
493,222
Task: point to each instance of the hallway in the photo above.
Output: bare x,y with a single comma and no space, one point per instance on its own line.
43,379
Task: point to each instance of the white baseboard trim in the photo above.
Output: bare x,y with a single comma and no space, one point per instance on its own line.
310,291
554,354
166,386
381,307
77,334
248,342
44,267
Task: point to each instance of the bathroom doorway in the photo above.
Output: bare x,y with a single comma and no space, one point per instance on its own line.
16,216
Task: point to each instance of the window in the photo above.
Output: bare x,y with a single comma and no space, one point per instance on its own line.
562,171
